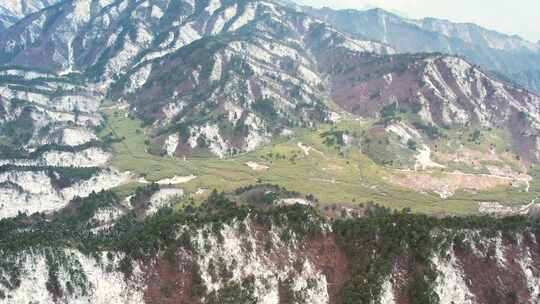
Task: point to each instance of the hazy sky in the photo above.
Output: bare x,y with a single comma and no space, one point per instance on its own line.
520,17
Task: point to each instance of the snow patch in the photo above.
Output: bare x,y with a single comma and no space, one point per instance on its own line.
102,282
450,284
33,191
156,12
177,180
139,78
245,18
91,157
387,293
294,201
223,18
210,133
162,198
75,137
171,144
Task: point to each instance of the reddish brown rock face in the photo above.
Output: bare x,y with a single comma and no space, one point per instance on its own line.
331,261
493,279
444,91
169,283
489,276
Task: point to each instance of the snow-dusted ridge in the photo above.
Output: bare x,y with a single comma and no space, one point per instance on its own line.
91,280
35,191
130,64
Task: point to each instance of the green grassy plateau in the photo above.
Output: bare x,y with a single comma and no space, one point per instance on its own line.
332,174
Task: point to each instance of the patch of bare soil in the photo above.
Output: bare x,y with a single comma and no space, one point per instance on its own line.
168,283
257,167
446,184
519,179
493,282
331,260
468,156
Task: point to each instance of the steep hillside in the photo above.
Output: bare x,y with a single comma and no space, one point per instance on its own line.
242,70
530,79
493,51
49,151
12,11
223,253
439,90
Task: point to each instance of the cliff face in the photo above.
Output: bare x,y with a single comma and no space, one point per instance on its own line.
285,255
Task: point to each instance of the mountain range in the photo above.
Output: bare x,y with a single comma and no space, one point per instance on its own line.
219,77
493,51
252,151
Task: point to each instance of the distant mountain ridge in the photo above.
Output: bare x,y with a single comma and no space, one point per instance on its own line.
12,11
493,51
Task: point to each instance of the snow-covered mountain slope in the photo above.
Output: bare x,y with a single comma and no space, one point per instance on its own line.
12,11
442,90
492,50
45,189
226,77
81,279
50,153
243,70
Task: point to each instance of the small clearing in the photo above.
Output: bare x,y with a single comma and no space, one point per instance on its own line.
307,149
257,167
423,160
448,183
163,197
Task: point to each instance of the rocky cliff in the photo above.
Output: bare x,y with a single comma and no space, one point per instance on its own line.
221,253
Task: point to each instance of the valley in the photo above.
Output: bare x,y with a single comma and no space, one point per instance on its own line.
254,151
334,175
